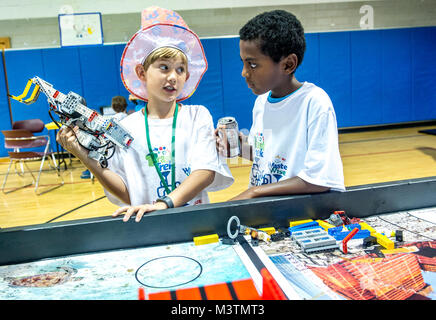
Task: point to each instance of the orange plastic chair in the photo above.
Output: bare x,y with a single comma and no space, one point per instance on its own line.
20,139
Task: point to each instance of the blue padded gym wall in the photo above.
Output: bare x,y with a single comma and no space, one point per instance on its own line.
209,92
5,122
423,55
397,76
335,73
373,77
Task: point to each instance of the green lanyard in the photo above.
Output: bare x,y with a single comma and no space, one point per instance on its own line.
173,151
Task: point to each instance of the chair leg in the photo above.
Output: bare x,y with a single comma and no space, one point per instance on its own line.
21,164
22,168
19,172
54,162
39,173
6,176
30,171
57,172
57,168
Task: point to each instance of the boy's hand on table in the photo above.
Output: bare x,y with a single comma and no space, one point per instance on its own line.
139,210
247,194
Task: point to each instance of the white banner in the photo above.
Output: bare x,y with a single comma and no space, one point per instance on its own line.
80,29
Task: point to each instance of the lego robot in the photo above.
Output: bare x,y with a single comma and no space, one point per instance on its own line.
98,134
241,229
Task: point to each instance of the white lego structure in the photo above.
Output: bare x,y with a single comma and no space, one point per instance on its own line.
97,133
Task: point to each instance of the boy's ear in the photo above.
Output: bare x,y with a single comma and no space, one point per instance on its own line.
290,63
140,72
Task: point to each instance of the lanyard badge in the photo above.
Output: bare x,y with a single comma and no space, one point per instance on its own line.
153,155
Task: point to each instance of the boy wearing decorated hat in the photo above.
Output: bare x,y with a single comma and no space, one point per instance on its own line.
172,160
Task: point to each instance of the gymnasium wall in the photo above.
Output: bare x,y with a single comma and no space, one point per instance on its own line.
373,77
31,24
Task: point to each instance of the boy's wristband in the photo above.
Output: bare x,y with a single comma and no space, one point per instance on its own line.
167,200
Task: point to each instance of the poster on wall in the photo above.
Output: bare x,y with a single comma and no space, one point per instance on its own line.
80,29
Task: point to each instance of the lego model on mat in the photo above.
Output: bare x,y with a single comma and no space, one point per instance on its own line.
97,133
374,271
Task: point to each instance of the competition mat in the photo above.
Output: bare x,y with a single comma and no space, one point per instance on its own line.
408,272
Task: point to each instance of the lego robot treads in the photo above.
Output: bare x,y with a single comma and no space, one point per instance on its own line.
97,133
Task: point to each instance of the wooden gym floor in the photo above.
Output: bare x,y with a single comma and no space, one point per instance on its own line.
368,157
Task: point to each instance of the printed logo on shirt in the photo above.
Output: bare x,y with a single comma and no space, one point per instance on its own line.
276,170
163,157
187,171
259,145
278,167
256,176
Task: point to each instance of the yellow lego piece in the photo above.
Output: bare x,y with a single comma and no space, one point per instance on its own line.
325,225
401,250
206,239
296,223
365,226
33,96
269,230
384,241
51,126
26,90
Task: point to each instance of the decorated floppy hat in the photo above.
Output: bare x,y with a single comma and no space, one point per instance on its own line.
162,28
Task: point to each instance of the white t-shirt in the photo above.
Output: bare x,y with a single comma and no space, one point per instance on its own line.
296,136
120,116
195,149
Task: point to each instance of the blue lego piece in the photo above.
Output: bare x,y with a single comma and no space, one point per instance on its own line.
361,234
335,230
352,226
308,225
339,234
346,228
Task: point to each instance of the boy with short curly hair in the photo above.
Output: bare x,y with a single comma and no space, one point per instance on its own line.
293,141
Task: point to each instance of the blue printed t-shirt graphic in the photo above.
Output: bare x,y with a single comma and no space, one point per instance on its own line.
276,169
259,145
163,158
